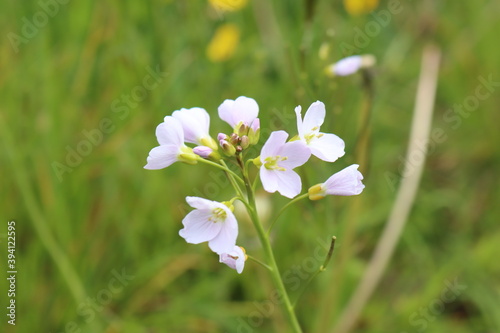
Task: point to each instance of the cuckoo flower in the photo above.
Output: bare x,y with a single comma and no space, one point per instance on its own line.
344,182
278,159
195,123
325,146
242,111
211,222
172,148
234,259
350,65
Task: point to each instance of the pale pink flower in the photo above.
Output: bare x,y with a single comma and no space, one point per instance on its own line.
195,123
242,111
278,160
234,259
344,182
325,146
170,136
211,222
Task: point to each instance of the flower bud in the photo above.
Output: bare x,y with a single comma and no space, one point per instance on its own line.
207,153
221,136
244,142
241,129
234,139
227,148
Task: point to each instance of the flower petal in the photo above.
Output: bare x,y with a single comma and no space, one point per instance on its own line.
195,123
314,118
225,240
289,183
229,259
347,66
269,180
198,228
298,113
161,157
276,140
243,109
297,153
345,182
170,132
328,147
201,203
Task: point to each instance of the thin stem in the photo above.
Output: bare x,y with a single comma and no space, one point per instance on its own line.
230,175
300,197
264,239
224,167
321,268
259,262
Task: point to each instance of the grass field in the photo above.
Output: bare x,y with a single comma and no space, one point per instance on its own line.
84,85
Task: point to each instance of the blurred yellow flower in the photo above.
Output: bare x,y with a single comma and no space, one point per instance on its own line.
228,5
358,7
223,43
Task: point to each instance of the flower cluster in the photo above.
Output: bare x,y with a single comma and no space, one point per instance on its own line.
214,222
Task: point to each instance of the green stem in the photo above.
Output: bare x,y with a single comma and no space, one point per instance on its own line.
300,197
321,268
259,262
264,239
222,166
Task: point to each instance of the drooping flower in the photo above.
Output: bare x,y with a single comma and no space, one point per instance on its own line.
211,222
234,259
224,43
242,111
344,182
350,65
325,146
172,148
278,158
195,124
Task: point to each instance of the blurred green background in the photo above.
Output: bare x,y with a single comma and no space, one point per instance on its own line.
79,69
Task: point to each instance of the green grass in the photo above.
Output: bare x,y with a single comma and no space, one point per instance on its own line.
110,214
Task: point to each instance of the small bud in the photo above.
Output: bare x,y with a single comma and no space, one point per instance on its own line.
239,149
234,139
316,192
227,148
244,142
221,136
202,151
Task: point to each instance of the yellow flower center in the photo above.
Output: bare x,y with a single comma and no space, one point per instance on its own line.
312,135
218,215
271,163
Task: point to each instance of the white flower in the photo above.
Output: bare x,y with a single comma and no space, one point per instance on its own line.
195,123
325,146
234,259
172,148
242,111
211,222
278,161
351,65
344,182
